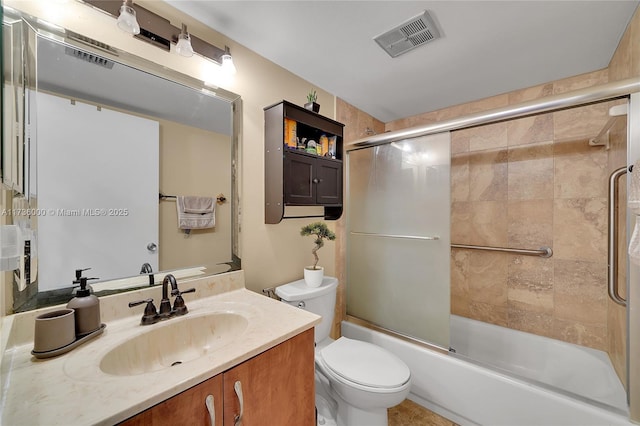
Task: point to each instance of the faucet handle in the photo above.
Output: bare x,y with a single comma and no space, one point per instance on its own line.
150,315
179,308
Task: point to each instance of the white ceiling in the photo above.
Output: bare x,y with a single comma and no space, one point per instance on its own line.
487,47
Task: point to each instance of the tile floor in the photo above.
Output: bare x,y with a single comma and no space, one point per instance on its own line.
408,413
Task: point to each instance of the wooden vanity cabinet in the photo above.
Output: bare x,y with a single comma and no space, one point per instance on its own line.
277,389
295,177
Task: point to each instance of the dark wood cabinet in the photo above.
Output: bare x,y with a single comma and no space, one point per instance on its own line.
295,174
310,180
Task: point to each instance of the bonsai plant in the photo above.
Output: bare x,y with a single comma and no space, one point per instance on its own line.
313,274
311,104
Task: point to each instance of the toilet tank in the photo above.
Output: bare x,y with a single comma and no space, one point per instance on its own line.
319,300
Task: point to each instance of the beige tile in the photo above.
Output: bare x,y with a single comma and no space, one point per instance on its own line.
490,136
580,291
488,175
617,338
487,277
620,65
530,93
582,123
486,312
460,177
580,170
461,223
530,223
486,104
530,172
580,81
523,131
531,322
459,282
459,142
530,284
593,336
634,28
488,224
580,229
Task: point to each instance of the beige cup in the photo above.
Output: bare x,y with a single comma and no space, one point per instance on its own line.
54,330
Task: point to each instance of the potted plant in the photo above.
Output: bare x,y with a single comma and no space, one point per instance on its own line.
311,104
314,274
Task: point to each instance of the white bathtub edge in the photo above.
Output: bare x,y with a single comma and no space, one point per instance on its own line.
455,388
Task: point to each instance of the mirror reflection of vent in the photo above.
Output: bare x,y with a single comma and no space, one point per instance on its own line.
415,32
91,42
89,57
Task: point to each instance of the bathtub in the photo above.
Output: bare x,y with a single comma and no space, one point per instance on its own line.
496,377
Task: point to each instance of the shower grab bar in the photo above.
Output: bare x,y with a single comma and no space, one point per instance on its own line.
542,252
407,237
612,270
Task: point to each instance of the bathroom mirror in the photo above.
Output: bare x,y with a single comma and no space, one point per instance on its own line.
108,133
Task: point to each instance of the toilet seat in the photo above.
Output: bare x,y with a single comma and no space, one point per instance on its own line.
364,365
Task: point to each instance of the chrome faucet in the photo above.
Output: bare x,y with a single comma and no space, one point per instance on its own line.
151,316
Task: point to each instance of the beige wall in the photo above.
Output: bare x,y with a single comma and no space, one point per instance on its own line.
271,254
193,162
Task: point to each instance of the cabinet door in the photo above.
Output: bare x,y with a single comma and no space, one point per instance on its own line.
277,386
186,408
298,179
328,175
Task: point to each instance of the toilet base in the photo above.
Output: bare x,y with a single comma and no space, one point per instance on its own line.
348,415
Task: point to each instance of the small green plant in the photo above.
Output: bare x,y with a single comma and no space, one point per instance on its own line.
321,232
312,96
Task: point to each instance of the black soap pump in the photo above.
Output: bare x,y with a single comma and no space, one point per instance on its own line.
86,305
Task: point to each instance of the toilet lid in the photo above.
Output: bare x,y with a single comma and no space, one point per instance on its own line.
365,364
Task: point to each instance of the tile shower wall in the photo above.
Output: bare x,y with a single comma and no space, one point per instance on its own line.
530,183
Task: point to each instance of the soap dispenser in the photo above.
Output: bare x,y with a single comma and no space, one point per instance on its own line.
87,307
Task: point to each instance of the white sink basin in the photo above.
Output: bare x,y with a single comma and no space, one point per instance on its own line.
173,342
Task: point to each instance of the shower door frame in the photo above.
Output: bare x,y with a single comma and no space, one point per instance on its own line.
629,89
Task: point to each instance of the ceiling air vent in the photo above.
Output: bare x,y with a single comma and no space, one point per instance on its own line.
415,32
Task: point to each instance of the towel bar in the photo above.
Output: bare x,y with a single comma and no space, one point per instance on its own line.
542,252
221,199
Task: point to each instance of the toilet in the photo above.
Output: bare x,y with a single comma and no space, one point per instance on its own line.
355,381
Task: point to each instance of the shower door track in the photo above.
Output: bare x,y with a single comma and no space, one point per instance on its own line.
588,95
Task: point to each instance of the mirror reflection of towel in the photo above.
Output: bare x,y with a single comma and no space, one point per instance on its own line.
196,212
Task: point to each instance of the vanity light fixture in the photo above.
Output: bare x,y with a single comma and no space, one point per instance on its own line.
183,45
158,31
227,62
127,21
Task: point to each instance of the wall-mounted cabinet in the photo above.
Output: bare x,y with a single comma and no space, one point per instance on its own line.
303,161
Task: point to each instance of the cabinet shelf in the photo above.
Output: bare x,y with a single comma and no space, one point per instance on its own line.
295,177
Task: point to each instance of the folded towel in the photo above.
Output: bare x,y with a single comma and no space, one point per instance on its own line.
634,189
634,245
199,205
195,212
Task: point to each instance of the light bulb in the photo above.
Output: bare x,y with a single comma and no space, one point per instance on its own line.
183,46
127,21
227,64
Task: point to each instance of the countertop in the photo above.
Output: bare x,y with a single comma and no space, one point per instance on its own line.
72,390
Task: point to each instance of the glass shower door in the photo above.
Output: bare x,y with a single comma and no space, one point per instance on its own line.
398,222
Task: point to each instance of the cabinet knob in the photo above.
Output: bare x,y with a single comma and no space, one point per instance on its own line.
315,180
